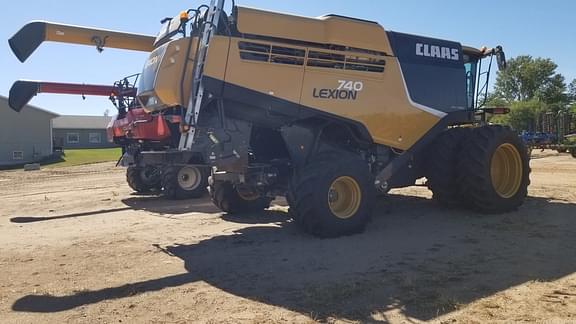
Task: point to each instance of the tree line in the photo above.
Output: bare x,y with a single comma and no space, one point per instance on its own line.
532,88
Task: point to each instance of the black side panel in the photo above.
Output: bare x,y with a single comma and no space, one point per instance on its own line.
27,39
269,106
433,70
269,111
21,93
299,141
394,168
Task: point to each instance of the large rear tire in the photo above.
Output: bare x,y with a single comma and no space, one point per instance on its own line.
494,171
184,182
332,196
233,201
143,180
441,170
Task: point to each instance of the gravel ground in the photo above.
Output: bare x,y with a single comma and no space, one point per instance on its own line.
77,246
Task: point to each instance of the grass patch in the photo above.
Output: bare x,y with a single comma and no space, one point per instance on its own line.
87,156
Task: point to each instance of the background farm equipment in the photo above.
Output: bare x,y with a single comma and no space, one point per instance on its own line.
553,131
135,130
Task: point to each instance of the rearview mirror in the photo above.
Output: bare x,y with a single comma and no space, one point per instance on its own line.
500,58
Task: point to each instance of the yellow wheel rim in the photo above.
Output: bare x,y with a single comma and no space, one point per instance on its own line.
506,170
344,197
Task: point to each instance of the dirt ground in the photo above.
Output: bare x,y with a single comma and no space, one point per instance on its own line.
77,246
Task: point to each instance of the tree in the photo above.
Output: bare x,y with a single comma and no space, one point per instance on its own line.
572,90
524,115
554,93
493,100
528,78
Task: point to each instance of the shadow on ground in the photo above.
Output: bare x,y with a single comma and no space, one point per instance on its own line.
33,219
148,203
415,257
162,206
155,204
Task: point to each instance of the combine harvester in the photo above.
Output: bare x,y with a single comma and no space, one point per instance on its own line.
135,130
324,111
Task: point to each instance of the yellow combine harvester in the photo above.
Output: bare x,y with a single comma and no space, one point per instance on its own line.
325,111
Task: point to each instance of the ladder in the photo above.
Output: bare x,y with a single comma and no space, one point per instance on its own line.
209,28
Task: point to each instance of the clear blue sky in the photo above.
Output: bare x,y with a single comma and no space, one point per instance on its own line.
538,28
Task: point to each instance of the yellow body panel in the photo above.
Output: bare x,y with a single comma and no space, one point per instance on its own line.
216,59
167,84
168,88
323,30
382,105
306,67
279,80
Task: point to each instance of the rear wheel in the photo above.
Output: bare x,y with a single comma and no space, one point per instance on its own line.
143,180
234,200
332,196
184,182
494,170
441,170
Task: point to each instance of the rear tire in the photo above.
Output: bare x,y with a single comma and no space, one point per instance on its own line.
332,196
184,182
227,198
143,180
494,170
441,171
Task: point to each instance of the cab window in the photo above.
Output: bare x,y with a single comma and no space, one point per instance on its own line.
470,66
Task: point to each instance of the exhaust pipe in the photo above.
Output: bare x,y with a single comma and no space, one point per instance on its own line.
33,34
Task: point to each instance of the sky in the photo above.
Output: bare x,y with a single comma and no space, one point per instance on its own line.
533,27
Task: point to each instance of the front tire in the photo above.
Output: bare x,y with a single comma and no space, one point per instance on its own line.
441,171
332,196
494,170
229,199
143,180
184,182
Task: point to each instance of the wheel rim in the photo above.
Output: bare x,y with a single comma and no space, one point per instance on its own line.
189,178
148,175
247,194
344,197
506,170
